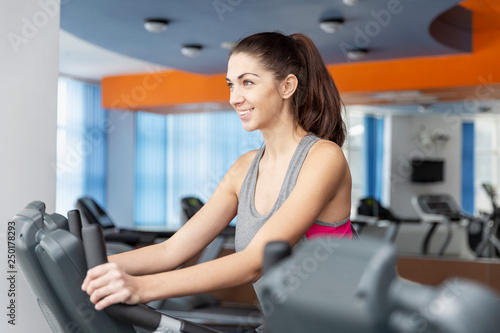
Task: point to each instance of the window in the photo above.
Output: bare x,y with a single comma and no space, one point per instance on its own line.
354,153
486,160
81,144
180,155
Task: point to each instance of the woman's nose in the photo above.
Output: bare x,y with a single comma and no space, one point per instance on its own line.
235,97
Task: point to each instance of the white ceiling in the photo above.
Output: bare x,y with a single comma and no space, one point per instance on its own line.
86,61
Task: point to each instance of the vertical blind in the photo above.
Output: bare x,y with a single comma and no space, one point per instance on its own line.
181,155
150,172
81,144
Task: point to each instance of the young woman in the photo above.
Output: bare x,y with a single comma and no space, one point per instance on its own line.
296,187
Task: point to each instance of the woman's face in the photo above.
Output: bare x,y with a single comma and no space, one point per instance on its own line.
254,92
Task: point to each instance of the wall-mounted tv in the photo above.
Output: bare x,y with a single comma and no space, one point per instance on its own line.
427,171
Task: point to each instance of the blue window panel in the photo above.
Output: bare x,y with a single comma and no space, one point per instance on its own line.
95,137
199,149
81,144
468,167
150,172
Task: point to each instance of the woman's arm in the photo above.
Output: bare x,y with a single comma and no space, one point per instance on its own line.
195,235
187,242
322,175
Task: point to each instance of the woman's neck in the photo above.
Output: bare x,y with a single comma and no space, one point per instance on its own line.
282,141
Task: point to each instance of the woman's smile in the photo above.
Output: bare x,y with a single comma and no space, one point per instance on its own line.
245,113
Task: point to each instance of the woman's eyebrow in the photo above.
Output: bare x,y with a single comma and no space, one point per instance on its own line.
242,75
239,77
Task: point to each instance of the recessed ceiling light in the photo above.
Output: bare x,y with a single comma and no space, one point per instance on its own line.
350,2
191,50
357,54
331,25
227,45
155,25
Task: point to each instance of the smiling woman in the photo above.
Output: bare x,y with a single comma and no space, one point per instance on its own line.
315,100
296,187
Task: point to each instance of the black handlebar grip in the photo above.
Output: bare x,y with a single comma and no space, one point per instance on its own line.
75,223
94,246
138,315
273,253
95,254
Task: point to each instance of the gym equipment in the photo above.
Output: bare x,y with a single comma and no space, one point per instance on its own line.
441,210
201,308
190,206
53,260
491,243
336,285
93,213
371,211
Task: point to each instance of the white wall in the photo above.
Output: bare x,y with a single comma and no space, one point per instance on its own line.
402,133
120,168
29,43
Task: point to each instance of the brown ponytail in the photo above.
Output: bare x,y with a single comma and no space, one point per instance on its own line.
316,104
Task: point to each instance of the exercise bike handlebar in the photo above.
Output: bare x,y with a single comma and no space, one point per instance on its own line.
137,315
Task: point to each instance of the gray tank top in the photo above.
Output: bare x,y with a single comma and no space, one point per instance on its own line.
249,221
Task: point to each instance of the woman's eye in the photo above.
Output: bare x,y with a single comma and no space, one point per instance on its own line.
230,85
247,83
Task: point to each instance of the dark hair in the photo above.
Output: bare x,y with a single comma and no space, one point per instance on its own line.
316,104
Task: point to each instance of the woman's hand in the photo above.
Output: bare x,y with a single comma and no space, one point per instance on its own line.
107,284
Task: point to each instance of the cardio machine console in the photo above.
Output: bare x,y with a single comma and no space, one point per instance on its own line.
432,205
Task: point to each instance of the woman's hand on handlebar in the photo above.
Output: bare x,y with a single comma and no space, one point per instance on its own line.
107,284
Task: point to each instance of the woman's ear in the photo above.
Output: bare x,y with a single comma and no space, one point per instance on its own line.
288,86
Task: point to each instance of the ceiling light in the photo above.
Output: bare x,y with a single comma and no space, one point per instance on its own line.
425,108
155,25
350,2
227,45
191,50
331,25
357,54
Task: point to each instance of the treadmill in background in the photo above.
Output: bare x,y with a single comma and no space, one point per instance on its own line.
92,213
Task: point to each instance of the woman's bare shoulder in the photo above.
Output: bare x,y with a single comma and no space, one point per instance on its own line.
326,148
326,158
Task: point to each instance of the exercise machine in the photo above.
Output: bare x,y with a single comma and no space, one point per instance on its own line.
491,243
201,308
371,212
336,285
52,257
93,213
190,206
306,292
441,210
54,254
